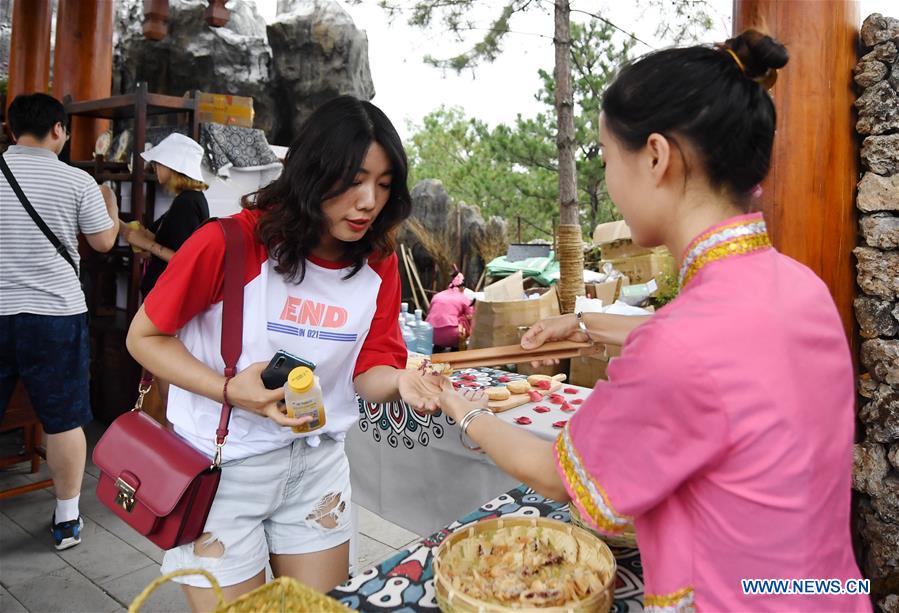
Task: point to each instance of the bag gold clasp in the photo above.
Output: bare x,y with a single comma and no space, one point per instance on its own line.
125,497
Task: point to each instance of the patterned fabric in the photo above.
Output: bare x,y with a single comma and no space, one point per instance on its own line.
398,423
744,234
405,582
228,146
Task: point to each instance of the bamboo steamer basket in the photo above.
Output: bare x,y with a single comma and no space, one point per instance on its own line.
628,538
283,595
451,600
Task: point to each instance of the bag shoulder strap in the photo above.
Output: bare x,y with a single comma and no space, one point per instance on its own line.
232,313
57,244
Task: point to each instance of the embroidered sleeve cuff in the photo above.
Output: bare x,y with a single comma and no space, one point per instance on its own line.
590,498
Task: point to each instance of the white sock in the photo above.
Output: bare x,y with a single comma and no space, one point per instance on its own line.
67,510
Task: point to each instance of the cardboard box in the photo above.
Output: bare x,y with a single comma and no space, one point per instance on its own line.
226,109
657,265
614,241
498,317
608,292
587,370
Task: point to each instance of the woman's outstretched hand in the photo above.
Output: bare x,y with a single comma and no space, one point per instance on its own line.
419,391
247,392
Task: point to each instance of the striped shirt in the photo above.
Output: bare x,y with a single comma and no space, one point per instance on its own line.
33,277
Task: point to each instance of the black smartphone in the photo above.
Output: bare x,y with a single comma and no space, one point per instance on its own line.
275,374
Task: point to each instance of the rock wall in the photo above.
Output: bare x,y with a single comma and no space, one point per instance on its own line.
433,236
312,52
876,474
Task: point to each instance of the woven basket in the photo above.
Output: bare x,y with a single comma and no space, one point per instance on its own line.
283,595
452,601
628,538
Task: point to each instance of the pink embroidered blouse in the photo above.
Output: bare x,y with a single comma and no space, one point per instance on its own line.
725,432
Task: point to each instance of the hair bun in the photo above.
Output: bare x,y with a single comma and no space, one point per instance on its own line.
758,52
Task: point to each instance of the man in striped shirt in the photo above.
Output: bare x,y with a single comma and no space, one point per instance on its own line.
43,314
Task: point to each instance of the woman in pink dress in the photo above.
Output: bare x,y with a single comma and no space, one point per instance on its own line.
450,314
725,430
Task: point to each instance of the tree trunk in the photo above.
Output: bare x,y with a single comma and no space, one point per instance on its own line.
571,254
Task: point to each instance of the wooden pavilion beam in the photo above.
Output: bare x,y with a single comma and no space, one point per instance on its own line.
29,49
809,197
82,64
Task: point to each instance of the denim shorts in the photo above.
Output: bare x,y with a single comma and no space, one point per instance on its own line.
291,500
51,354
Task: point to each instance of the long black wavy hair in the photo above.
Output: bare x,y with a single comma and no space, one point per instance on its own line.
323,163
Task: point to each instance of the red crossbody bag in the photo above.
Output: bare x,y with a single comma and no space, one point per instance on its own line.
151,478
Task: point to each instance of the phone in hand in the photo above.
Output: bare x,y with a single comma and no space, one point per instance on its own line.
275,374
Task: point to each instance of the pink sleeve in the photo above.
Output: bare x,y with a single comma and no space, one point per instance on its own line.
384,344
639,436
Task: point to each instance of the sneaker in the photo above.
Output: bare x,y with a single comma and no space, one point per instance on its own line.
66,534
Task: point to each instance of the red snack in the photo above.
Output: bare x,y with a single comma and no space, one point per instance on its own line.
503,379
570,390
567,408
535,396
541,409
560,424
543,384
577,401
556,398
524,421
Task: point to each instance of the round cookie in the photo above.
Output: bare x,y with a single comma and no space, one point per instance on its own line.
498,393
519,386
534,379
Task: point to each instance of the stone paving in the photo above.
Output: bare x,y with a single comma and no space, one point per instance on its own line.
113,563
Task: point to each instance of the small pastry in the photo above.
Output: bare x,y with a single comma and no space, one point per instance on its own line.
533,379
498,393
544,384
519,386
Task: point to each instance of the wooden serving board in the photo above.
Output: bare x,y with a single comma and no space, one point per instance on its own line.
516,400
514,354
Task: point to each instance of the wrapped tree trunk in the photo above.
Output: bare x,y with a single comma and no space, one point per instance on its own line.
570,251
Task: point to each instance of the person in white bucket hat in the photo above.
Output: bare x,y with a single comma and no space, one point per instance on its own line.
176,161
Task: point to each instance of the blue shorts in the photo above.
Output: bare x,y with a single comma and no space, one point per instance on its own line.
51,354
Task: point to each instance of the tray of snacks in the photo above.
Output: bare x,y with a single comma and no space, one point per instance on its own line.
628,538
524,564
522,391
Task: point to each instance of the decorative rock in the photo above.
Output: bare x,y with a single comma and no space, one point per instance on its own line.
869,468
318,53
234,59
866,386
878,272
876,193
882,539
893,455
881,359
870,72
880,154
875,317
880,230
890,604
887,503
884,52
881,415
878,109
894,77
878,29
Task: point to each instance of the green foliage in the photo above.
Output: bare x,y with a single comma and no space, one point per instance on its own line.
512,170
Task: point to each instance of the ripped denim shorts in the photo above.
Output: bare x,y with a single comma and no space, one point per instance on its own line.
292,500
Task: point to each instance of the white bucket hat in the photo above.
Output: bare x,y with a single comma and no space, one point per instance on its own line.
180,153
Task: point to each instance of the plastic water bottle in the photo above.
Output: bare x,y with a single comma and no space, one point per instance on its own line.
424,334
404,311
408,334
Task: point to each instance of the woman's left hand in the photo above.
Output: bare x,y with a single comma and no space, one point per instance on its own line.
418,390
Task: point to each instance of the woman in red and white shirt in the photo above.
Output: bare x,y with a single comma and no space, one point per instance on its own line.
320,281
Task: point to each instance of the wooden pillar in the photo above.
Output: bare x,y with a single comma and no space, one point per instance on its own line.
29,49
82,64
809,195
